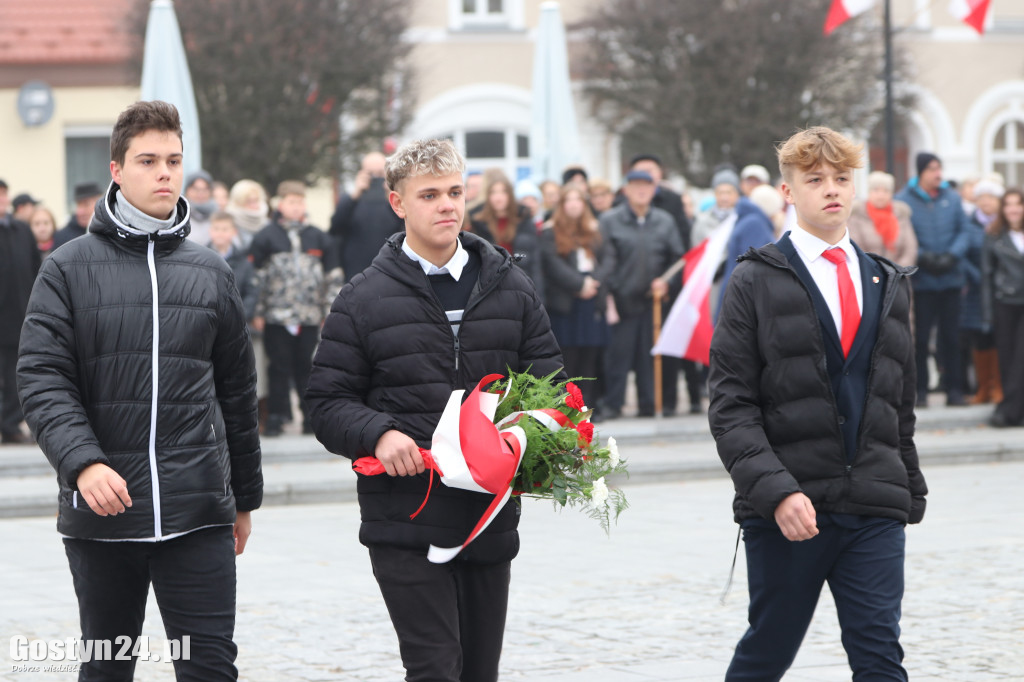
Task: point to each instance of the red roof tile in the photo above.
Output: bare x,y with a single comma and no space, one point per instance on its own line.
65,31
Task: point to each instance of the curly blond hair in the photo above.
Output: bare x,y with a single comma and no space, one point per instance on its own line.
423,157
810,148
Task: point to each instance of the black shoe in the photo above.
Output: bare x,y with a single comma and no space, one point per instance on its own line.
668,413
696,409
922,402
307,429
955,399
603,415
275,426
645,414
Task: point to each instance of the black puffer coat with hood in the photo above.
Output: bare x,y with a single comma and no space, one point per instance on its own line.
134,353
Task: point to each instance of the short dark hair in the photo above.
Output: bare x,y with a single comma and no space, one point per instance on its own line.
139,118
225,216
3,185
646,157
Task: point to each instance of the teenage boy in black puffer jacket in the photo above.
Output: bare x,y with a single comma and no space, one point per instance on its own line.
138,380
436,311
812,382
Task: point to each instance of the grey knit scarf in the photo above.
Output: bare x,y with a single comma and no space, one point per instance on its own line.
133,217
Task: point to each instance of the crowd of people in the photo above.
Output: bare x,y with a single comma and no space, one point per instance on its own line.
598,256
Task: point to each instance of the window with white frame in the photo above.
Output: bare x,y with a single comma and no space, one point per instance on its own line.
507,149
470,15
1008,152
86,157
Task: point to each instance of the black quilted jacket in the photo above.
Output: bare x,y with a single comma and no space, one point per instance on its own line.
388,360
773,413
135,353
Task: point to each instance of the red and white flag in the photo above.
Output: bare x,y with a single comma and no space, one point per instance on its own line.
971,12
688,327
841,10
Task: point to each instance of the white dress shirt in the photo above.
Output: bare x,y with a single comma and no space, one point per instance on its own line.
453,267
825,272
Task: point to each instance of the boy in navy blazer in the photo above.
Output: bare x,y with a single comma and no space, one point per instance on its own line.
813,385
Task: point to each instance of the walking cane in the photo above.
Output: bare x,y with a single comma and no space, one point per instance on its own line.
657,359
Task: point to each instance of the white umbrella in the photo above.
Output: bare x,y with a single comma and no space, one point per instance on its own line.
554,138
165,77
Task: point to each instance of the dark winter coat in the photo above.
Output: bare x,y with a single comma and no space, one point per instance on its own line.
245,279
970,303
190,454
1002,267
388,360
19,263
361,226
671,202
72,230
562,276
525,247
638,254
774,411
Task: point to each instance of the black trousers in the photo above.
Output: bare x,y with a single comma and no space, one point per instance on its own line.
450,618
860,558
193,578
1009,333
289,361
630,349
10,406
939,309
586,361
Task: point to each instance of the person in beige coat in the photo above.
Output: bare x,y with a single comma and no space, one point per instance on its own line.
881,225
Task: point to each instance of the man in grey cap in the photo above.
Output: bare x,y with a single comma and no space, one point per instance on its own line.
86,194
644,241
753,176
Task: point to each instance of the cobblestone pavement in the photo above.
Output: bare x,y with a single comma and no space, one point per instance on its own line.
640,606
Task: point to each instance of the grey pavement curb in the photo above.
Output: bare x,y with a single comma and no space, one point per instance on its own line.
297,470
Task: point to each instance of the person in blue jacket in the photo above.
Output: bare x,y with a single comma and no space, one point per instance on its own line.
940,226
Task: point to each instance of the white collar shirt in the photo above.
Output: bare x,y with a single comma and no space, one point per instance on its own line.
825,272
453,267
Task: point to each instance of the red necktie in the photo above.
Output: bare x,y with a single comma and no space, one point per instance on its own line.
850,311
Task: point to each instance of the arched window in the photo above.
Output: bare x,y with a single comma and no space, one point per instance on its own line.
1008,152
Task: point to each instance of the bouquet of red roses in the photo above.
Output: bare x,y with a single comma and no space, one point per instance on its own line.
526,435
562,459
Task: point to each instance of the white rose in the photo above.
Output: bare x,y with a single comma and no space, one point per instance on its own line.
613,452
599,495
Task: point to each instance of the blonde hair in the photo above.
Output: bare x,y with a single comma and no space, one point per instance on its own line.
244,189
808,149
423,157
879,179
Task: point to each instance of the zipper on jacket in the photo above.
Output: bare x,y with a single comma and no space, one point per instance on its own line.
154,478
456,353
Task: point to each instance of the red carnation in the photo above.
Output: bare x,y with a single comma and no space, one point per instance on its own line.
575,397
586,431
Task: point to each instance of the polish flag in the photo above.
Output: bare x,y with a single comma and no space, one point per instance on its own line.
841,10
687,330
971,12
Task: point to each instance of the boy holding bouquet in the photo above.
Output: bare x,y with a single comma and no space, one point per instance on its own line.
437,310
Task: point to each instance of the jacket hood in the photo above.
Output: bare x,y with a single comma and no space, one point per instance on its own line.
105,222
745,207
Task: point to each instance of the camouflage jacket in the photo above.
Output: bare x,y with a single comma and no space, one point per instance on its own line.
298,271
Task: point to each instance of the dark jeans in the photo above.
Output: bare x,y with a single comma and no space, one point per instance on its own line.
289,360
630,349
860,558
450,618
1009,333
10,406
939,309
193,579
